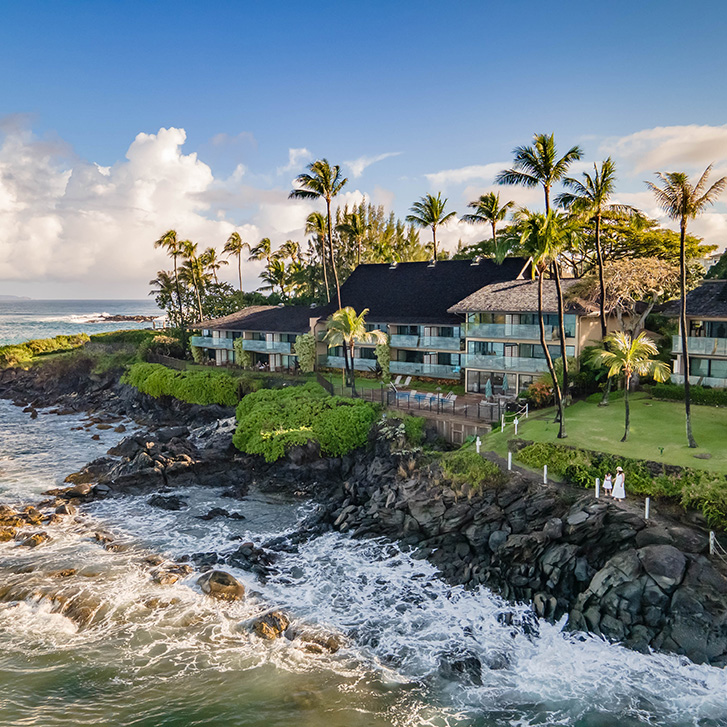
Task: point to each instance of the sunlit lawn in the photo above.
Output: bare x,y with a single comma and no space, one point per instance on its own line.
657,431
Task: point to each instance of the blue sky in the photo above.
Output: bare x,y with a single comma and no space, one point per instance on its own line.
435,86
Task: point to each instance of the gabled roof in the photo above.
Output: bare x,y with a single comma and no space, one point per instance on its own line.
516,296
420,292
708,300
277,319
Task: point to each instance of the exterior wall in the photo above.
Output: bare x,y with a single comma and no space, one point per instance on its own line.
269,349
707,345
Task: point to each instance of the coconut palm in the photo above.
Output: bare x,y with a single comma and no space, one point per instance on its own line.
169,242
211,262
487,209
193,273
539,165
429,212
355,226
541,237
322,182
346,328
315,224
275,273
164,289
262,251
289,249
233,248
628,356
683,201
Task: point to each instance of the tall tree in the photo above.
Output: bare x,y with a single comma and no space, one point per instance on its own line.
682,201
211,262
355,226
315,225
289,249
322,181
629,356
262,251
233,248
539,165
164,291
347,328
193,272
429,212
173,246
487,209
275,273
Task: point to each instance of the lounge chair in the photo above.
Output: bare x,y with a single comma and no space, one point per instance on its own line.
407,381
397,380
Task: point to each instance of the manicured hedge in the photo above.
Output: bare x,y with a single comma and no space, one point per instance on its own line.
698,394
270,422
194,387
15,354
704,491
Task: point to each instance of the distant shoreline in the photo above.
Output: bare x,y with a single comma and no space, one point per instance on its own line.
14,297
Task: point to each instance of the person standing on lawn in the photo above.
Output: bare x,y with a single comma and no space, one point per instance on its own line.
619,485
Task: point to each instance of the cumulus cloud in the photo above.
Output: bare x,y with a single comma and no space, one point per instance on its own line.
357,166
462,175
296,159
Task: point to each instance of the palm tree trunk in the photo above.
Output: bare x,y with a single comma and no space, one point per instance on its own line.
561,326
239,269
628,409
601,281
549,360
683,326
353,374
330,250
199,301
325,269
434,241
358,252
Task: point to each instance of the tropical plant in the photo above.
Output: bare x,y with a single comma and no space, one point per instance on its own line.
383,356
355,226
169,242
627,356
305,350
322,182
234,248
211,262
243,358
347,328
275,273
429,212
487,209
193,273
539,165
315,225
262,251
289,249
682,201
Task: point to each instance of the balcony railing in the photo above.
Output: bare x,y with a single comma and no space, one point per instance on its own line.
444,343
398,341
209,342
519,331
700,346
711,381
337,362
436,371
267,346
505,363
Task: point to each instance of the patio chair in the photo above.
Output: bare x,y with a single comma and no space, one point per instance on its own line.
397,380
407,381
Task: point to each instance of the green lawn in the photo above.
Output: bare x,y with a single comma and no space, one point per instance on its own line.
657,431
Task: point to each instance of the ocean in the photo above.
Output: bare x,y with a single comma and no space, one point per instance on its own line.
23,320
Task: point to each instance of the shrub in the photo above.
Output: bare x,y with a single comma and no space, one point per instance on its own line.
539,394
305,350
20,353
136,336
414,430
243,358
197,354
465,466
698,394
270,422
383,356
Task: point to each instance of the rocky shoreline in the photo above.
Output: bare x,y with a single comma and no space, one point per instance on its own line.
648,585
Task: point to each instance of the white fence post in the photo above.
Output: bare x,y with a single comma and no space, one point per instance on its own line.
598,488
712,541
478,443
509,461
502,422
647,503
527,409
516,422
545,474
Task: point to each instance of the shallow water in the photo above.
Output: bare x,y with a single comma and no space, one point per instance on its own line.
166,655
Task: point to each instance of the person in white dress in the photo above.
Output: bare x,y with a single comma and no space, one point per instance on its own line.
608,484
619,485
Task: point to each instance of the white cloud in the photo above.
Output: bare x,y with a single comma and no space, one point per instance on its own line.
462,175
296,159
357,166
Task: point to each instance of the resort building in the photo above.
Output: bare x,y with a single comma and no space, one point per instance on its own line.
503,353
267,333
411,302
707,336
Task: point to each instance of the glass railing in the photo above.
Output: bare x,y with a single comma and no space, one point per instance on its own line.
701,346
505,363
436,371
520,331
711,381
337,362
267,346
209,342
445,343
397,341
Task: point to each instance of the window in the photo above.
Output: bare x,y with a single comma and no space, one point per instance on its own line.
448,359
447,332
368,353
711,367
410,356
486,348
257,336
714,329
407,330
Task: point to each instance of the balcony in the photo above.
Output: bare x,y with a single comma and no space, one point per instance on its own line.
337,362
267,346
210,342
441,343
505,363
710,381
517,331
435,371
398,341
700,346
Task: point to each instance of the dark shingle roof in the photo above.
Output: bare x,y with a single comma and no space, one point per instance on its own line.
515,296
280,319
419,292
709,300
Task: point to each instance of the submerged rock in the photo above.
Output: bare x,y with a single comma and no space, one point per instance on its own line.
463,666
220,584
270,625
36,539
171,502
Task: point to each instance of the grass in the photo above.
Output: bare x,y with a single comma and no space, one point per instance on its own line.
657,431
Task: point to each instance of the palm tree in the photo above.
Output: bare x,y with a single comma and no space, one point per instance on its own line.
262,251
429,212
346,328
489,210
683,202
275,273
164,288
540,237
355,226
193,272
211,262
169,242
233,248
323,182
539,165
629,356
315,225
289,249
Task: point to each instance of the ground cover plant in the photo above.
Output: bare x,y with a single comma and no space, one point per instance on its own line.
20,353
465,467
270,422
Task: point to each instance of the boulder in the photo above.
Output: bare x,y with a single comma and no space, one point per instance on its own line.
171,502
270,625
66,509
34,540
220,584
665,564
7,533
463,666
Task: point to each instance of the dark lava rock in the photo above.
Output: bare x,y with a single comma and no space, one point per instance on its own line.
167,502
220,584
462,667
220,512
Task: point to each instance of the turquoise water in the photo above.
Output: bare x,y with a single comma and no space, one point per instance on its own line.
23,320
